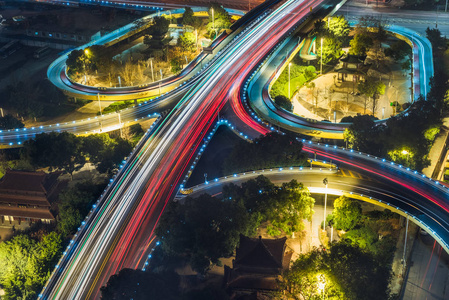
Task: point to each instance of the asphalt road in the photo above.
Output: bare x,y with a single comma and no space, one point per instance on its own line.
120,234
427,277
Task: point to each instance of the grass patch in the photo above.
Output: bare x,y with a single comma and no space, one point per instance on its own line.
299,75
119,105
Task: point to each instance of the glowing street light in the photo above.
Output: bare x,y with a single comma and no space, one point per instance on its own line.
196,39
325,182
152,73
86,52
405,152
213,22
160,82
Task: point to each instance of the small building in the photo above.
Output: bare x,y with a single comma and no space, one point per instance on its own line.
351,68
26,196
257,266
72,35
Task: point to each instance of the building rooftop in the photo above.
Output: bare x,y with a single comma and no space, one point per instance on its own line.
23,182
261,253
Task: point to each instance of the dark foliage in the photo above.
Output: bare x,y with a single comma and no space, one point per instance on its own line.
270,151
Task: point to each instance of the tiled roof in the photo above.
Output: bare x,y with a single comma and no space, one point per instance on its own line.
260,253
23,181
39,200
18,212
28,183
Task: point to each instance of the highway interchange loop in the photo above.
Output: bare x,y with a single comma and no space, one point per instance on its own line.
119,230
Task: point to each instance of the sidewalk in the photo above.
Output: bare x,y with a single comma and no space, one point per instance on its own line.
398,270
437,153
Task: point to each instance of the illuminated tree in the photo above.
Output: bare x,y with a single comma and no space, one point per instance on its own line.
221,20
187,41
361,43
338,26
347,213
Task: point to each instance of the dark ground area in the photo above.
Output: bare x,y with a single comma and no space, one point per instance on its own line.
211,162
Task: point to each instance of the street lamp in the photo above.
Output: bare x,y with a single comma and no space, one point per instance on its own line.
289,94
325,182
321,65
213,22
86,52
196,39
152,73
405,152
160,83
120,123
101,114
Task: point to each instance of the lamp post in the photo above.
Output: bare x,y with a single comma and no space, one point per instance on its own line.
196,39
86,52
213,22
99,104
120,124
325,182
152,73
405,152
160,83
101,114
289,94
321,65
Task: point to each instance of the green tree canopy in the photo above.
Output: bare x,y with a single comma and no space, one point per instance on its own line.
289,208
347,272
338,26
347,213
221,19
371,88
187,17
141,285
75,61
106,153
305,277
9,122
61,151
361,43
270,151
74,204
399,50
25,264
159,27
187,41
331,49
283,102
363,134
434,36
284,207
204,228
